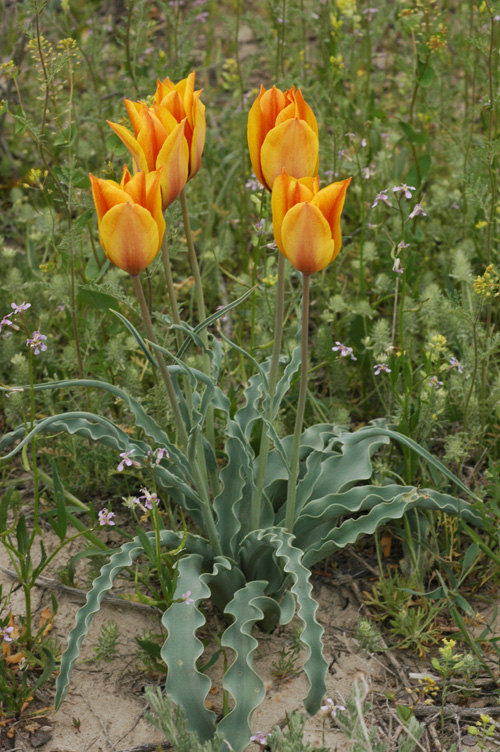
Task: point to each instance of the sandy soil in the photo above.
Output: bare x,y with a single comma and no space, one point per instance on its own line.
106,698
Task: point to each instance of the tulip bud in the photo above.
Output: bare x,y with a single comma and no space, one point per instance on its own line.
282,134
131,223
306,220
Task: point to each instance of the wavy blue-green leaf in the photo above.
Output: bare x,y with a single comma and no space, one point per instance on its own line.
295,575
244,684
142,419
187,686
137,337
124,557
353,528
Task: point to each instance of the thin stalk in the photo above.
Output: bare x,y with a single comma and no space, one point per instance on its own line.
200,477
273,377
171,289
200,302
299,418
136,281
36,492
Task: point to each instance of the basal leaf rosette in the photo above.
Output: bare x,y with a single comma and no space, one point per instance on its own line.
169,134
306,220
282,134
130,218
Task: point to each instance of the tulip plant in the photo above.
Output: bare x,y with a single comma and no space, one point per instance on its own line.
265,516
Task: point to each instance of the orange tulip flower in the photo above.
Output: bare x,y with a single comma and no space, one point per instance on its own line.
169,134
282,134
306,220
131,223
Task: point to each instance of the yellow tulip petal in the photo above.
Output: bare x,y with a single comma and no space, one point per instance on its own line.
174,156
198,140
186,91
154,199
304,112
330,201
136,187
271,104
134,111
106,194
287,192
293,145
135,149
166,118
287,113
130,237
151,138
306,237
256,133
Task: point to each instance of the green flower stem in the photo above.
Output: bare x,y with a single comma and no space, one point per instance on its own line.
299,418
200,302
175,314
170,289
136,281
36,526
273,377
200,477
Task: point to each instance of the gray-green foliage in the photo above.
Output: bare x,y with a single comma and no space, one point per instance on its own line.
256,576
291,739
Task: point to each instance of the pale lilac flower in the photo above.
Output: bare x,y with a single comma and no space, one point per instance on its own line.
331,173
5,633
201,17
148,498
259,738
160,454
60,308
105,517
454,363
344,351
382,196
36,342
18,308
363,142
417,211
260,227
403,244
397,266
127,461
252,183
406,189
435,382
370,12
186,598
454,205
330,709
6,321
381,367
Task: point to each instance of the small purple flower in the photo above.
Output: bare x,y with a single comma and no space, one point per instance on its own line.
105,517
381,367
186,598
127,461
454,363
260,227
435,382
148,498
160,454
397,266
201,17
344,351
403,244
363,142
382,196
417,211
252,183
36,342
18,308
370,12
6,321
405,189
330,709
5,633
259,738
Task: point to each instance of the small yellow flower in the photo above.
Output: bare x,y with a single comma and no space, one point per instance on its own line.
479,225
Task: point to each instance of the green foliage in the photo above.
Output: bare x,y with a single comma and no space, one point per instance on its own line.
107,642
